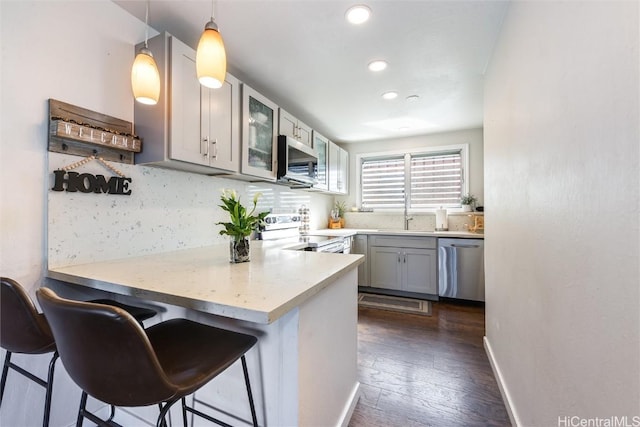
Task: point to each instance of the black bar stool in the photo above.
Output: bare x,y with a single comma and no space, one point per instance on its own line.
25,331
113,359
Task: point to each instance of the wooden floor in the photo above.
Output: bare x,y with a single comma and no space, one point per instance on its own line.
425,371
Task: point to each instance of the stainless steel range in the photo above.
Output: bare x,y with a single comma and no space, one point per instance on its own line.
287,227
324,244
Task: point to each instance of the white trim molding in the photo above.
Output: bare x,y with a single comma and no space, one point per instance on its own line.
504,391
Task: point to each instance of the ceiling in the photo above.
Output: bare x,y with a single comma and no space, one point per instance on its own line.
306,57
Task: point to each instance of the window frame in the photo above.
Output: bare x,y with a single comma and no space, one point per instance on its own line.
407,153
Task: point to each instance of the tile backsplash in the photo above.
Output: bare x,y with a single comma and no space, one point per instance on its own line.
167,210
457,221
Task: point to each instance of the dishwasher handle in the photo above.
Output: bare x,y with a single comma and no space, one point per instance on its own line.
464,246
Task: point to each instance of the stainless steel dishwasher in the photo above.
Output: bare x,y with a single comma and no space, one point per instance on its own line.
461,269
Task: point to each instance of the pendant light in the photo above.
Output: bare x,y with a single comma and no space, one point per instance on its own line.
145,78
211,58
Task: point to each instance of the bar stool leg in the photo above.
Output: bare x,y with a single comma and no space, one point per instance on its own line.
47,399
48,385
83,404
184,412
5,370
246,381
162,422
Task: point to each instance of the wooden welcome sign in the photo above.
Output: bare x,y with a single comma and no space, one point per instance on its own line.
81,132
95,136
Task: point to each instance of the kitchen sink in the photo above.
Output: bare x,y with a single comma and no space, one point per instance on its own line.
395,231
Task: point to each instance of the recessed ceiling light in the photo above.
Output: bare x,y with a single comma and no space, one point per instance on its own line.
404,128
377,65
412,98
390,95
358,14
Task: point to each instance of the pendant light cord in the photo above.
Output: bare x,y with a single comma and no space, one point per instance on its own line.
146,25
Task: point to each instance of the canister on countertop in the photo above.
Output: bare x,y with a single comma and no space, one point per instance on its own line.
304,219
442,223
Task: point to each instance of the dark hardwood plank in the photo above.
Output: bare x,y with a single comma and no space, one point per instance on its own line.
426,370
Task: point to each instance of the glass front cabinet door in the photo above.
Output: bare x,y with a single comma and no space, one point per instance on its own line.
321,146
259,135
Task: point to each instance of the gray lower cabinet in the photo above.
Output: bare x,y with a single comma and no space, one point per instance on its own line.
403,264
361,246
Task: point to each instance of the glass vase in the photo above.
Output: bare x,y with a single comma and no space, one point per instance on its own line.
239,250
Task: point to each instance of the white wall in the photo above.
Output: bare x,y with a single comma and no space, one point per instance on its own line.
78,52
562,195
81,53
473,137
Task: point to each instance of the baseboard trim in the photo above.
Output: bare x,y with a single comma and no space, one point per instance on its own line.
504,391
350,407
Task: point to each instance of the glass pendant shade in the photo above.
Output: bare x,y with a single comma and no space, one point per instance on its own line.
145,78
211,58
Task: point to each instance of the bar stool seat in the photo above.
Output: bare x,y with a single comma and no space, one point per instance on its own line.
113,359
139,313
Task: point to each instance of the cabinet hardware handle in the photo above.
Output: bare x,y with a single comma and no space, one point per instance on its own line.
215,148
206,141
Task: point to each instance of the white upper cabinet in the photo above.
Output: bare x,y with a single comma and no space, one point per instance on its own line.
290,126
221,123
191,128
321,147
343,172
259,135
230,131
338,169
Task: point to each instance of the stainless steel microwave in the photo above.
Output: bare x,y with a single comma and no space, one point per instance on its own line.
297,163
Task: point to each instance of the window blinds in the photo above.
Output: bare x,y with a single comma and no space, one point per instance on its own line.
428,180
436,180
382,183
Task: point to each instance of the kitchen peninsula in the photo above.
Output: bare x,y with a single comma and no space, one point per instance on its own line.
302,306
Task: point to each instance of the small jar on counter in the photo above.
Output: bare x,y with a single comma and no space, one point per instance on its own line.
304,219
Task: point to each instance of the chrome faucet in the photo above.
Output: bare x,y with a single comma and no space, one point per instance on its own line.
407,218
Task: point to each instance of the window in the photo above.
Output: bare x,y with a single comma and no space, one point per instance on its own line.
423,180
382,183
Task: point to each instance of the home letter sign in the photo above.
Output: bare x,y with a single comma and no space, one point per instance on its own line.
88,183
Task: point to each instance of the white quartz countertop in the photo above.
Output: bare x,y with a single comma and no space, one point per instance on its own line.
393,232
272,283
